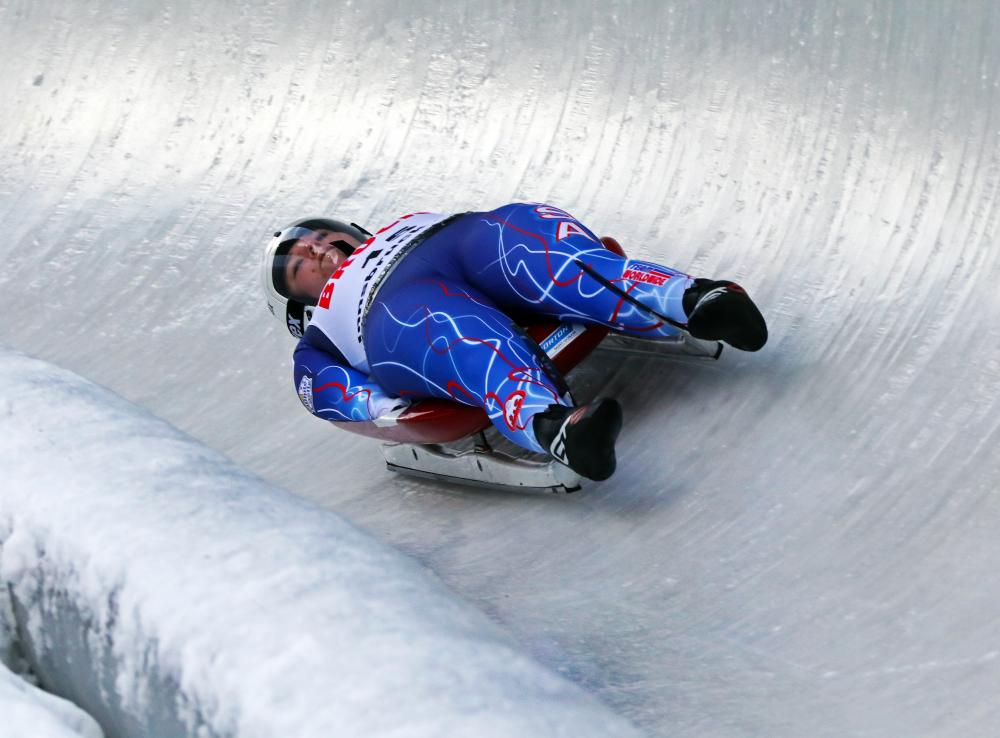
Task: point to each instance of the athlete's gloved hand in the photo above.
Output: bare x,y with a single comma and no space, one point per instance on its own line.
385,410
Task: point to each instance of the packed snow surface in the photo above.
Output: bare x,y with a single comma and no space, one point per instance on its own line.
797,542
269,615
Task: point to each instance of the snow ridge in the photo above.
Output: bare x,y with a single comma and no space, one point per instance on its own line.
168,592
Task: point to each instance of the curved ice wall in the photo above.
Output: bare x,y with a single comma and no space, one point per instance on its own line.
799,541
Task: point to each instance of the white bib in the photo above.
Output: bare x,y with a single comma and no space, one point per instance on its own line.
342,305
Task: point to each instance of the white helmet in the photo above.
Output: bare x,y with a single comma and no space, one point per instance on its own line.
291,309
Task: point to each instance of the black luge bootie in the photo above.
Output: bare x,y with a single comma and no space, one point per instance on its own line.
722,311
582,438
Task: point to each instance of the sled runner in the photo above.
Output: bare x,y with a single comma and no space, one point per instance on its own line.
431,438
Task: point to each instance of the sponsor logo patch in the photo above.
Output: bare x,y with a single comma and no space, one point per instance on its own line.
558,447
560,338
637,271
512,408
306,393
710,295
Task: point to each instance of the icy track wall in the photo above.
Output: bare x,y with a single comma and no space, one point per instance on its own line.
798,542
170,594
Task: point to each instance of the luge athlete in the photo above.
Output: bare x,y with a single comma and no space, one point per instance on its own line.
428,307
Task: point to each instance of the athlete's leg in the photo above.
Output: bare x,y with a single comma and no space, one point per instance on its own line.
437,338
538,258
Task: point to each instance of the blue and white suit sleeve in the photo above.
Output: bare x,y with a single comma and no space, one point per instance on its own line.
332,390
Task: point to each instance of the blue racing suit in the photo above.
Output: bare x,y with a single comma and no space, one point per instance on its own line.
437,319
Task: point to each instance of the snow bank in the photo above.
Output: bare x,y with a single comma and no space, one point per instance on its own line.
168,592
27,710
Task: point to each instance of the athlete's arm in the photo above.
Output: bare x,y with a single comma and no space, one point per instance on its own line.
332,390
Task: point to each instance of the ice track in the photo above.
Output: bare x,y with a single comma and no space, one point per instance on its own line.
798,542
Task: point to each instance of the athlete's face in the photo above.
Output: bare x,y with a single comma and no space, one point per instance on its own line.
313,260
